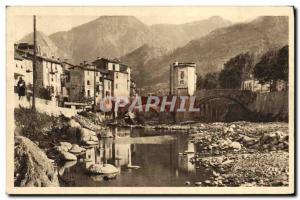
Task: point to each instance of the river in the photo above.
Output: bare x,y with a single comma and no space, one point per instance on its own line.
143,157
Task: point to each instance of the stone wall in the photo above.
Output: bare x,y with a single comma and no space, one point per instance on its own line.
45,106
271,105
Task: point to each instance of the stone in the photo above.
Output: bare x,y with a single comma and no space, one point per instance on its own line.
87,135
187,183
67,145
198,183
61,148
104,169
32,168
76,149
72,123
236,146
67,156
94,138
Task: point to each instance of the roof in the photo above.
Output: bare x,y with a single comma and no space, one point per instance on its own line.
108,60
184,64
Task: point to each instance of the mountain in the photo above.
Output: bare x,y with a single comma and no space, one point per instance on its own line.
210,52
178,35
44,44
116,36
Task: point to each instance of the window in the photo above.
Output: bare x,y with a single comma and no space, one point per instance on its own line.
117,75
16,66
21,67
182,74
108,86
116,86
181,82
88,82
88,93
114,68
68,91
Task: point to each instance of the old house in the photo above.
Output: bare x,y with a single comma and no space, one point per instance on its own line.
119,73
183,78
23,68
88,82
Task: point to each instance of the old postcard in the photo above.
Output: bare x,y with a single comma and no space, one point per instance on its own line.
150,100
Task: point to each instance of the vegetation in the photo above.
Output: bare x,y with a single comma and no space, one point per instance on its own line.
273,66
231,76
210,81
44,93
37,126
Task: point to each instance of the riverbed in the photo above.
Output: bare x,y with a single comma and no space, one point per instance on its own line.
143,157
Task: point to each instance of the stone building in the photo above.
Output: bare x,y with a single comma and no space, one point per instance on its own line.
183,79
23,68
88,82
119,73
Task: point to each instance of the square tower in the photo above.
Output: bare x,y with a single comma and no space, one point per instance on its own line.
183,79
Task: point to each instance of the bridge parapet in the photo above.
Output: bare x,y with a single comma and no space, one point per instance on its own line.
243,97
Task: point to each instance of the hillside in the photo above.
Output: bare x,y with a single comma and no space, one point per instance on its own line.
116,36
211,51
44,44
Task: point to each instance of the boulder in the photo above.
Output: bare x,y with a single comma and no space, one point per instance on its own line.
236,146
72,123
105,169
87,135
32,168
67,145
76,149
66,156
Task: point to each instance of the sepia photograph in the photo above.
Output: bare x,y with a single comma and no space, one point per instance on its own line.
150,100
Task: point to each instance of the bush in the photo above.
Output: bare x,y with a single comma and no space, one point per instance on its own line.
33,124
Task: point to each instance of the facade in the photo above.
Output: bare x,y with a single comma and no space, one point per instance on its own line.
87,82
254,86
119,73
23,68
49,74
183,78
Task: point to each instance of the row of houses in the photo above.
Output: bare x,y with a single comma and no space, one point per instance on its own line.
66,83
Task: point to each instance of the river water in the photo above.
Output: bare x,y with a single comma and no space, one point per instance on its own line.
143,157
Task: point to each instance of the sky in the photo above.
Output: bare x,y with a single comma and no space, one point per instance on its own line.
63,19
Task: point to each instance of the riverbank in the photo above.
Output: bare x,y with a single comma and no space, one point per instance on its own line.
237,154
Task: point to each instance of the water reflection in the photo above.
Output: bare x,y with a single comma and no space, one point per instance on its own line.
161,163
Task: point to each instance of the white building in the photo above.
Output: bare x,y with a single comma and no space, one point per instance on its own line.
119,73
183,78
23,68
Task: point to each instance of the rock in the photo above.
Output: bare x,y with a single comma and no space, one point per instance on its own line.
67,156
87,135
76,149
72,123
67,145
236,146
187,183
198,183
94,138
32,168
61,148
105,169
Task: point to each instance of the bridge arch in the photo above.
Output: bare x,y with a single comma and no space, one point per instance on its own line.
237,101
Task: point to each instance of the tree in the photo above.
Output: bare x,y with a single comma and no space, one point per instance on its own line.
210,81
273,66
231,76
